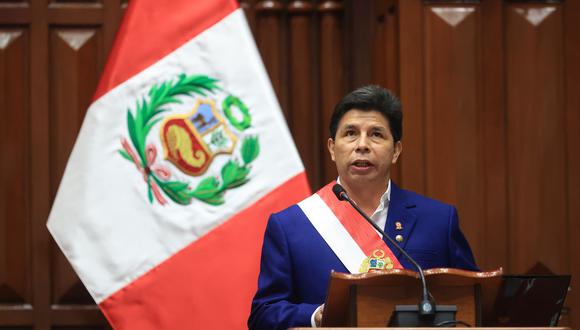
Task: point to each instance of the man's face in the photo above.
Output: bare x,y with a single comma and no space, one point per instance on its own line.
363,148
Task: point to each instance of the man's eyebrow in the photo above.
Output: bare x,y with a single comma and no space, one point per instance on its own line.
379,128
349,126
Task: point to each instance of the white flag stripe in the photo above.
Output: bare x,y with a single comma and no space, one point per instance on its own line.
333,232
116,242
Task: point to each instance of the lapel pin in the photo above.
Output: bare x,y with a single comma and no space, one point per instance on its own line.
398,225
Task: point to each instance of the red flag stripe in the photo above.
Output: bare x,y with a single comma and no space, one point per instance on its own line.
210,283
145,36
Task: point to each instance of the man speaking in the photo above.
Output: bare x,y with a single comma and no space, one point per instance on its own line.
304,242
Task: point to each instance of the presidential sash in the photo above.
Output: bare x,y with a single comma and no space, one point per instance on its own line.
354,241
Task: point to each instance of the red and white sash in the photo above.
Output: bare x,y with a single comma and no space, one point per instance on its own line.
347,233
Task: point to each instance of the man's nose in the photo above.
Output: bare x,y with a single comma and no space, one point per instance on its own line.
362,143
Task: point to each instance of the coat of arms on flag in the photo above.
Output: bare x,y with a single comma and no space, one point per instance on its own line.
190,141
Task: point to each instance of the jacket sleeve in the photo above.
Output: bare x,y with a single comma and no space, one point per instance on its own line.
460,255
274,305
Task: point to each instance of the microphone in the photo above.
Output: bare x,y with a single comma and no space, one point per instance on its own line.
426,305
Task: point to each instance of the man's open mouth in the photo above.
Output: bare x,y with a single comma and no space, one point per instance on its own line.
362,163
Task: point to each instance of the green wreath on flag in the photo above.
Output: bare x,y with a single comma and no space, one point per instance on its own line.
210,189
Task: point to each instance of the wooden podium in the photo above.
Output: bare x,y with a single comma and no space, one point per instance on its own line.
368,300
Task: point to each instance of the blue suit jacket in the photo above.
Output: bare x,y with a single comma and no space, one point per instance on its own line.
296,261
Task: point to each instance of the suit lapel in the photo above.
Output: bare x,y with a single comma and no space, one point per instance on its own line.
399,212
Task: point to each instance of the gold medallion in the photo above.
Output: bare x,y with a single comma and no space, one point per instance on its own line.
376,262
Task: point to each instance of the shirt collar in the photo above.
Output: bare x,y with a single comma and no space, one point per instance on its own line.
385,198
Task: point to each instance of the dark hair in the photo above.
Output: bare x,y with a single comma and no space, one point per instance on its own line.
368,98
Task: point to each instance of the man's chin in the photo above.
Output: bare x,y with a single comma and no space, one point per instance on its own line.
354,178
359,178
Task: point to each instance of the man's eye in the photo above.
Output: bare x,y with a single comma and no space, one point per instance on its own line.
349,133
377,134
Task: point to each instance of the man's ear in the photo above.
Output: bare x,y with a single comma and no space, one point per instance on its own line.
330,146
398,150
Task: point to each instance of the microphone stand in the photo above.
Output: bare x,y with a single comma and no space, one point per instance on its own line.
426,308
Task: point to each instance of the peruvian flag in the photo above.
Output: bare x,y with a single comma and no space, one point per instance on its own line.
182,156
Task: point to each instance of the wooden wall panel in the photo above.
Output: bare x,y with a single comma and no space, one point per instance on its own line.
74,72
412,94
332,76
14,12
271,29
39,159
385,41
385,59
510,161
536,135
360,38
16,274
74,69
79,39
452,109
495,223
572,48
442,93
304,115
15,242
